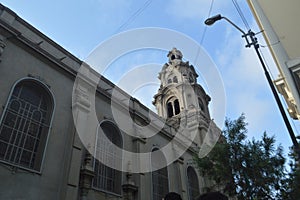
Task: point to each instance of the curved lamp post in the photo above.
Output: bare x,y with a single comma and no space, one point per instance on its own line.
253,41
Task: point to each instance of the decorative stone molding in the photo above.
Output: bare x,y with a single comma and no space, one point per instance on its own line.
82,97
87,174
129,188
2,45
180,160
283,89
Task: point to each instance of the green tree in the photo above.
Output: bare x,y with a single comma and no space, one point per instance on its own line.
249,169
294,180
291,185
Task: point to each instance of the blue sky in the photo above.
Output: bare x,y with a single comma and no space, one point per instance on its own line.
81,25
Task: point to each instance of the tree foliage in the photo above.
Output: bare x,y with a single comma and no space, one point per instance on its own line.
291,185
248,169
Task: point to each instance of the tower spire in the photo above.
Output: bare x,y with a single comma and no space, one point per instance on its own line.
179,93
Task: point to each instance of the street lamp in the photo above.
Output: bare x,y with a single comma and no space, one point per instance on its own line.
253,41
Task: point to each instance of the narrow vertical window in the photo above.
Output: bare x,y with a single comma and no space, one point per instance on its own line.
193,185
160,182
176,107
170,109
25,125
173,107
106,178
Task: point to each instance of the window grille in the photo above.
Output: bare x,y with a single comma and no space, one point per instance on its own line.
106,178
160,182
25,124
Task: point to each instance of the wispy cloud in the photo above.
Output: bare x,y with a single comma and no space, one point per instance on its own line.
246,86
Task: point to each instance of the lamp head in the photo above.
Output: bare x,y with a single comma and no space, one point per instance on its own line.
213,19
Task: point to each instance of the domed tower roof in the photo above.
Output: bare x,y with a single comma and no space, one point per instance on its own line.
179,92
175,56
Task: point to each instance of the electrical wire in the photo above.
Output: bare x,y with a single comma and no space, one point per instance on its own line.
237,7
282,100
205,27
204,32
133,16
265,61
269,45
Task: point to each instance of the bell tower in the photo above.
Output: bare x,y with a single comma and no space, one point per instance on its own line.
179,94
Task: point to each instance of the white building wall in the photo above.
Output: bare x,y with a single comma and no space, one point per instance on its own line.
279,21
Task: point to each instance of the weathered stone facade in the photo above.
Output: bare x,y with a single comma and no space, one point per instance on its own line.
33,64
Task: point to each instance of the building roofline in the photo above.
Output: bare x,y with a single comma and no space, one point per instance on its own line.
24,32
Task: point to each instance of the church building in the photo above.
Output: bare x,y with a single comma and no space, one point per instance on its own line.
45,155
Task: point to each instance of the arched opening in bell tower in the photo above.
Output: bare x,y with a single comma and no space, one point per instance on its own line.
173,107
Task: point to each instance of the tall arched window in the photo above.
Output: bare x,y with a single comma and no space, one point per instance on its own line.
193,184
25,125
173,107
106,178
160,182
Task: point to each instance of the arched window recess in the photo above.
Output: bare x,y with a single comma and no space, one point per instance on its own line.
25,124
108,179
193,183
160,181
173,107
